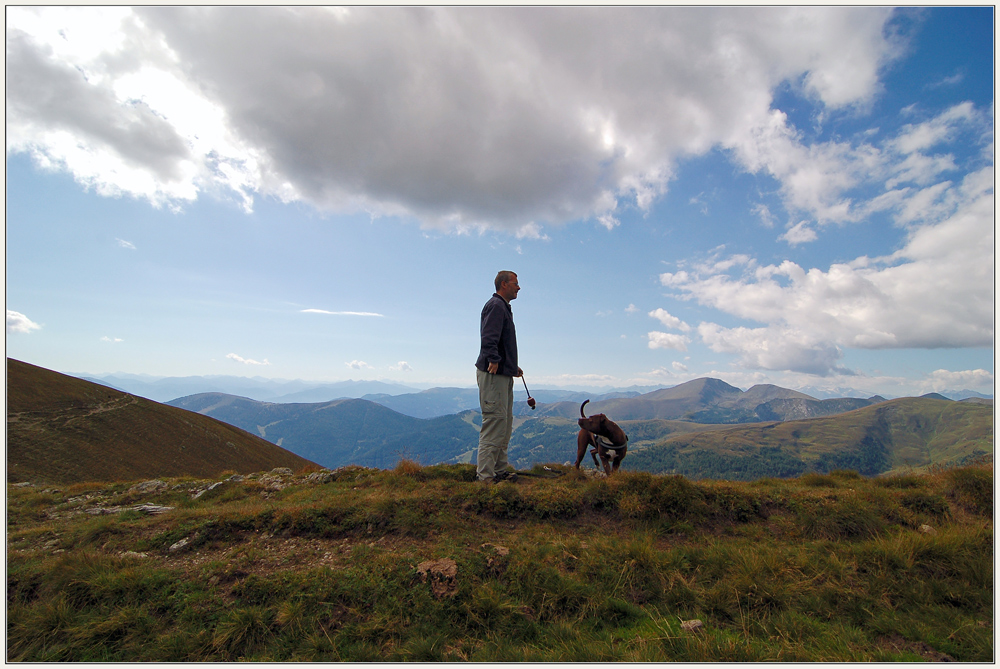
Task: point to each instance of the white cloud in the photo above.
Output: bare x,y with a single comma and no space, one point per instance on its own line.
342,313
358,364
679,366
669,321
631,309
125,245
116,340
246,361
668,340
943,379
401,366
935,292
774,348
506,117
799,234
827,181
19,323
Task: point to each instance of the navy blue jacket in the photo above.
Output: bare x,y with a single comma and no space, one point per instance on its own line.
498,341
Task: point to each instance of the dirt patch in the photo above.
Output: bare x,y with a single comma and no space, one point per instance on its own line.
897,643
441,574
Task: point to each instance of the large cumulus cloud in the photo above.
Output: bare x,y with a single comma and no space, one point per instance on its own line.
462,117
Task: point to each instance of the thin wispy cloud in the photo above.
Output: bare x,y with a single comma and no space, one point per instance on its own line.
20,324
358,364
247,361
115,340
342,313
124,244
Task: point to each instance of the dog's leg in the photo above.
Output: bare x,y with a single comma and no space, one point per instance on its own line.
582,442
606,461
619,456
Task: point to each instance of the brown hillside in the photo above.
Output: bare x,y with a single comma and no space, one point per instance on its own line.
61,429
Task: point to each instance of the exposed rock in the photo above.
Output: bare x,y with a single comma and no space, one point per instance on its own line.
179,545
692,625
152,509
496,558
441,574
204,490
148,487
322,476
281,471
25,484
236,478
149,509
927,529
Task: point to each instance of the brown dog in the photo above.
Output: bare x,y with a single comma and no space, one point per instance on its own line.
606,438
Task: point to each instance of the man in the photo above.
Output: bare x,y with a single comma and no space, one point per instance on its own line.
495,372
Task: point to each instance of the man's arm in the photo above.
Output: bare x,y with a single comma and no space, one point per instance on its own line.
489,332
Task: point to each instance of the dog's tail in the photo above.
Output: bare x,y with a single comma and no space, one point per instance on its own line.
583,415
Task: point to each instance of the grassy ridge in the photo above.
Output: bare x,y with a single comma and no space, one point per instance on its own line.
895,436
819,568
62,430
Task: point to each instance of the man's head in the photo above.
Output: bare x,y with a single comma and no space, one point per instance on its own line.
506,285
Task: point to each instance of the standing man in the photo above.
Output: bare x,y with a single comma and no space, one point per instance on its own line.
495,372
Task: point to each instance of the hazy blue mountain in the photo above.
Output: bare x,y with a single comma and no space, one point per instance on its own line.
964,395
342,390
342,432
163,389
444,401
429,403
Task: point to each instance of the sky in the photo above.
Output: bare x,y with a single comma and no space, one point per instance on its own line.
801,196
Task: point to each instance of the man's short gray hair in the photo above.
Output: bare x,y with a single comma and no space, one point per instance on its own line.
503,275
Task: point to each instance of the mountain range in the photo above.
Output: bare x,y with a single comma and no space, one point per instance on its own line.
364,432
345,431
162,389
906,434
68,429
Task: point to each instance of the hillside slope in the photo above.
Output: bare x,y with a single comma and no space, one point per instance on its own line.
342,432
903,434
61,429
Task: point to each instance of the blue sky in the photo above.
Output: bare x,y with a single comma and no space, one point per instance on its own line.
791,195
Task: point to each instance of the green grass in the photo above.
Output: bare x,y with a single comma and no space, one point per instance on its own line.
828,568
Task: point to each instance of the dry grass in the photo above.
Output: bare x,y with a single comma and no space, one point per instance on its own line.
595,570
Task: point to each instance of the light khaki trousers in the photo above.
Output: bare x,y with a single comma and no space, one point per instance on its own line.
496,399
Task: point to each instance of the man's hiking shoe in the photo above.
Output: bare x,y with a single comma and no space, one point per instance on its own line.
505,475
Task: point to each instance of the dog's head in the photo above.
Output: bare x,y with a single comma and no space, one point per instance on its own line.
596,423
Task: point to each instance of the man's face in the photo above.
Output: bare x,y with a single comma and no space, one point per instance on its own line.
508,289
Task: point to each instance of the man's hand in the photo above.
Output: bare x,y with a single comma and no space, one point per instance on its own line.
519,373
493,367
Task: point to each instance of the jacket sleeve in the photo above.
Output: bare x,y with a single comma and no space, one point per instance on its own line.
489,331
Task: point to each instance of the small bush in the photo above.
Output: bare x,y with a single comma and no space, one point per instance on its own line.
242,632
814,480
973,489
846,519
934,505
903,482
